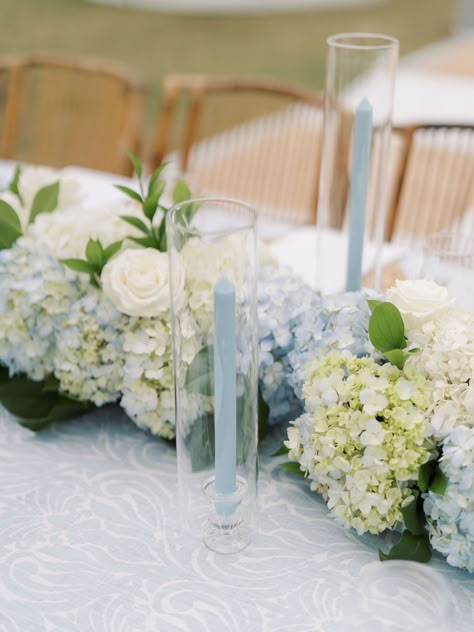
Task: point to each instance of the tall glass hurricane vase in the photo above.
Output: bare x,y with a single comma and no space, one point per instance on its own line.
212,251
354,177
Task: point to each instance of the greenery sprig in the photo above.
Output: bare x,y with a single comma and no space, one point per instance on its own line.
96,258
149,197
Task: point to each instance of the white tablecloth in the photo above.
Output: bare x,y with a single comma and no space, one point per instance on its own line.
89,543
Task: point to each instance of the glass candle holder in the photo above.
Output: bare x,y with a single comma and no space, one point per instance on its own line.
353,188
448,259
212,254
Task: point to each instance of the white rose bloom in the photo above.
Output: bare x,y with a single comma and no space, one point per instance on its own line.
137,282
32,179
419,301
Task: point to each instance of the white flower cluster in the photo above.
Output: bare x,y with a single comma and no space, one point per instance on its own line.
363,438
114,344
451,516
447,357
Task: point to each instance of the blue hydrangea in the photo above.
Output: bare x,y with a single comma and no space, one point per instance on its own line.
297,324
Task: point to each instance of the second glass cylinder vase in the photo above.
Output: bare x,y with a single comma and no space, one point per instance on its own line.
212,251
354,177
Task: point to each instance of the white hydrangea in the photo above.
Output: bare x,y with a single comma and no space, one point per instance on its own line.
89,358
64,234
35,292
451,516
147,389
446,357
362,439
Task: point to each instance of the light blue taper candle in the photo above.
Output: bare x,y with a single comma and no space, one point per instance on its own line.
358,193
225,411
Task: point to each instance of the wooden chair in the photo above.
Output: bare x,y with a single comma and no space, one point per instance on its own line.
434,182
69,111
255,139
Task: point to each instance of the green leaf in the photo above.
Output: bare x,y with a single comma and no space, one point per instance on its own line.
181,192
410,547
136,222
51,384
62,410
45,201
112,249
137,164
13,186
425,475
95,254
153,183
372,303
150,205
79,265
281,450
386,329
439,482
130,192
10,226
199,377
146,242
161,236
263,414
25,398
397,357
414,516
292,467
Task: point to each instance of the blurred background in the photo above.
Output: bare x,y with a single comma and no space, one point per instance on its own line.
285,43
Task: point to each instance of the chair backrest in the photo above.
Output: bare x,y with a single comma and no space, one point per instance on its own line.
255,139
65,111
434,182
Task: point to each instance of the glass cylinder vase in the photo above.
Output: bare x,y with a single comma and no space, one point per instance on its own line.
353,188
212,254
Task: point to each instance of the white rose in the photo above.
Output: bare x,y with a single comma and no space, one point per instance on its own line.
32,179
137,282
419,301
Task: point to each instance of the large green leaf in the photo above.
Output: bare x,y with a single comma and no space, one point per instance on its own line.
26,399
386,328
62,410
439,482
10,227
414,516
199,377
45,201
37,404
425,475
411,547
